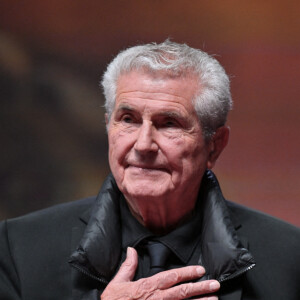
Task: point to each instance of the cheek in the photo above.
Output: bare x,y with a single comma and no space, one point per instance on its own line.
186,155
177,152
179,148
195,162
119,143
119,146
115,152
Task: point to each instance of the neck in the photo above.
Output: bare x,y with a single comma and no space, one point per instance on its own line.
160,220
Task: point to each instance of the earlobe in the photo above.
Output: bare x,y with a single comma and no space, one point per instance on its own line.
217,145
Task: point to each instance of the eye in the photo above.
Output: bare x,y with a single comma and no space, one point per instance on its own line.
170,123
127,118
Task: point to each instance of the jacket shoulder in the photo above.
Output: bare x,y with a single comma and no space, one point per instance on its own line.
67,210
247,217
36,247
268,237
50,226
275,246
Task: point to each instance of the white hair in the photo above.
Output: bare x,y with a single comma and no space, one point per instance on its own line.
213,101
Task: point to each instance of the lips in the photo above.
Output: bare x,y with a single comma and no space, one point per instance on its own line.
146,168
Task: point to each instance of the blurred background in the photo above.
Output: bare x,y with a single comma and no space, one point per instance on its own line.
52,56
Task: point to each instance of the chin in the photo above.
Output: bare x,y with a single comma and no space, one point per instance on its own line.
148,192
146,185
144,191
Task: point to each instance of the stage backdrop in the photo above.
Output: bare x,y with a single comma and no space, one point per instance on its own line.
53,53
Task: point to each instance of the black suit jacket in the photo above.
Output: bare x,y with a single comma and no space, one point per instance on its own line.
35,249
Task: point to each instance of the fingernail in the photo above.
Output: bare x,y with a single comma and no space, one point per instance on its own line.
129,251
200,271
214,285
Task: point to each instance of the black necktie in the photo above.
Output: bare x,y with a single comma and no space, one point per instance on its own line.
158,253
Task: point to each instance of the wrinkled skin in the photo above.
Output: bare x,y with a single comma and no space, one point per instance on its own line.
160,286
157,152
158,155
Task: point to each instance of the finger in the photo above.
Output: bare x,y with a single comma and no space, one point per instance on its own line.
128,267
207,298
169,278
187,290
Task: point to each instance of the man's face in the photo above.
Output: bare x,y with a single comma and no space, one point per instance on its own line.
156,145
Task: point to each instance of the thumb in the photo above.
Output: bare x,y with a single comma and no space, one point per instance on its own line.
128,267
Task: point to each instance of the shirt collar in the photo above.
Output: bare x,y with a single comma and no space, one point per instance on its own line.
181,241
132,231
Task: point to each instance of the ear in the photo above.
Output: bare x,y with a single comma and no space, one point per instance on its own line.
217,144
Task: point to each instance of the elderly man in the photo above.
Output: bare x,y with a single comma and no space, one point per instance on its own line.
160,227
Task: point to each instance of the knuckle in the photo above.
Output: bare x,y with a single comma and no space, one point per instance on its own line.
172,276
143,289
186,289
126,264
146,285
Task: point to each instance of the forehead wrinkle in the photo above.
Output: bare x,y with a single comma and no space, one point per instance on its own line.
177,112
137,103
150,95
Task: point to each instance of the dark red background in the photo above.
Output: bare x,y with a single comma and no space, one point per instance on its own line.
52,55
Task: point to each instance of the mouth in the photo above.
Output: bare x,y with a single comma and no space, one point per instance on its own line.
147,168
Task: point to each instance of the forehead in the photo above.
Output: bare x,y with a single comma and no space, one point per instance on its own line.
142,88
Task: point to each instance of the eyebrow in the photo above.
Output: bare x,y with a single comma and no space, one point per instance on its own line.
169,114
125,107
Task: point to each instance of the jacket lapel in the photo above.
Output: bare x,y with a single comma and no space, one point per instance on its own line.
234,291
225,254
81,290
99,249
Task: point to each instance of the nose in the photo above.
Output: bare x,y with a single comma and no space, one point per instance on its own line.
145,140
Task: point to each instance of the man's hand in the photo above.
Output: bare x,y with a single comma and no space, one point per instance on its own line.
160,286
